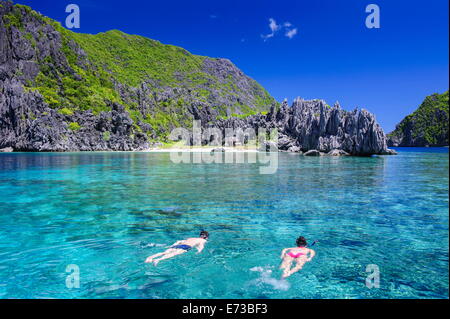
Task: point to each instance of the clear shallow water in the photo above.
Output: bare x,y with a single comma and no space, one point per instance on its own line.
105,211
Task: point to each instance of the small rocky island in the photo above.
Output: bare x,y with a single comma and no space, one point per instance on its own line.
427,126
314,128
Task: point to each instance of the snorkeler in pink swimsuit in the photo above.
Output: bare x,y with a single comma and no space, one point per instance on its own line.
299,254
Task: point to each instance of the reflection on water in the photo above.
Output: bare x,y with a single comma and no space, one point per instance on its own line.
106,212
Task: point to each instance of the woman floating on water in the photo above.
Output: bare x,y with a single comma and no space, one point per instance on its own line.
180,247
299,254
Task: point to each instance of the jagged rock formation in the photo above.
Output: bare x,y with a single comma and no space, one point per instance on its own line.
314,127
21,129
65,91
427,126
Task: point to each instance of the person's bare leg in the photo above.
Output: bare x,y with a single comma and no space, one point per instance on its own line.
285,262
286,266
150,259
286,273
169,255
298,266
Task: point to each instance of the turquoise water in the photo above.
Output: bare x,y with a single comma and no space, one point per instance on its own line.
106,212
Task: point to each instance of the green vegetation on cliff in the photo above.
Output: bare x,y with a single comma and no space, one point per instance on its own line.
428,125
132,59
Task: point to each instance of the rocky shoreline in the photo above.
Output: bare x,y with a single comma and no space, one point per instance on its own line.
314,128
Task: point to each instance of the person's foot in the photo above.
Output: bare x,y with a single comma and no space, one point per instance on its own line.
155,263
149,260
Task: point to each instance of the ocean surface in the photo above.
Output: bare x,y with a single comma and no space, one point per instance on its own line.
102,214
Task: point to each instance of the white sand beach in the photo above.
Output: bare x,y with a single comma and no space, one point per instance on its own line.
200,149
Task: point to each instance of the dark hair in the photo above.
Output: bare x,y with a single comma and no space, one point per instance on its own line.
301,242
204,234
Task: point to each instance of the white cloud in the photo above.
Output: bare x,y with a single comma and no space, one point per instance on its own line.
267,36
274,27
291,33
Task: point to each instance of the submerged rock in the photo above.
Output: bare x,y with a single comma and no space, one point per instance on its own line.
312,153
337,153
390,152
294,149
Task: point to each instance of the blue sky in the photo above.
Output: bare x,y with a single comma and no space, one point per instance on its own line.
332,56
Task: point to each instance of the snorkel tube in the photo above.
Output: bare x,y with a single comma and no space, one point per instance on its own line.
314,242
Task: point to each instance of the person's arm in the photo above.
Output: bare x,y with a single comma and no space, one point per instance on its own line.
283,252
312,253
200,247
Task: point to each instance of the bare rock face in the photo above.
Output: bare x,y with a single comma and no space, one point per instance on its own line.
313,125
27,123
